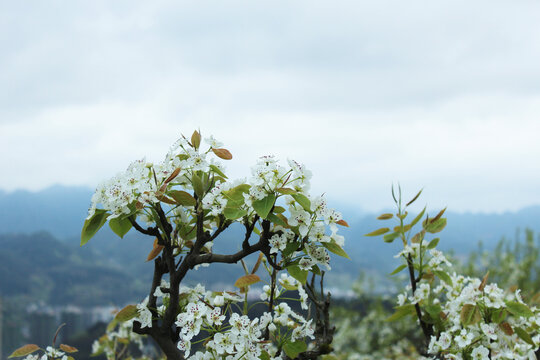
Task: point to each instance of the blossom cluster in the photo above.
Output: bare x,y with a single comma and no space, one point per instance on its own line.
465,317
273,192
209,316
50,353
116,339
500,326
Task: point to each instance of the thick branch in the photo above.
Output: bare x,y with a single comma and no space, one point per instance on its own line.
261,245
324,331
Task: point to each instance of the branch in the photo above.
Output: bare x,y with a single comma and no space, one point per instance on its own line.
426,329
249,230
324,331
152,231
224,225
271,302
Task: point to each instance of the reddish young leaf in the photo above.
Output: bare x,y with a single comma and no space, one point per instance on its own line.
258,263
196,139
342,223
166,200
68,349
173,175
506,328
484,282
222,153
156,250
24,350
247,280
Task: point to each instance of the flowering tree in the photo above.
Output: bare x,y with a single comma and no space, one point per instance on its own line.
460,317
185,203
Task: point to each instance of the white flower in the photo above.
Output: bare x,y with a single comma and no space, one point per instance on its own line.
480,353
421,293
145,315
445,340
31,357
402,298
490,330
54,353
305,264
215,316
213,142
464,338
277,243
300,218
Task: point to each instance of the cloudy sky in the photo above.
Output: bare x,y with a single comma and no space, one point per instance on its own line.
443,95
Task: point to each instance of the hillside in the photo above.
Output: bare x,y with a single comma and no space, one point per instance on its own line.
39,267
63,272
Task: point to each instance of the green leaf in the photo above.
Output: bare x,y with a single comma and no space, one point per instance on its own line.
444,277
233,213
416,197
378,232
120,226
433,243
297,273
292,349
470,314
336,249
519,309
433,310
218,171
127,313
498,316
263,206
279,209
303,201
401,311
91,226
197,184
290,248
265,356
390,237
182,198
417,218
435,226
524,335
286,191
398,269
112,325
276,220
287,286
24,350
236,194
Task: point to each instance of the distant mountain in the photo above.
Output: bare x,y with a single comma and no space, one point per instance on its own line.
61,211
38,267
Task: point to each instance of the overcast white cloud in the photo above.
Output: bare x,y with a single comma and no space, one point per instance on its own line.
443,95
